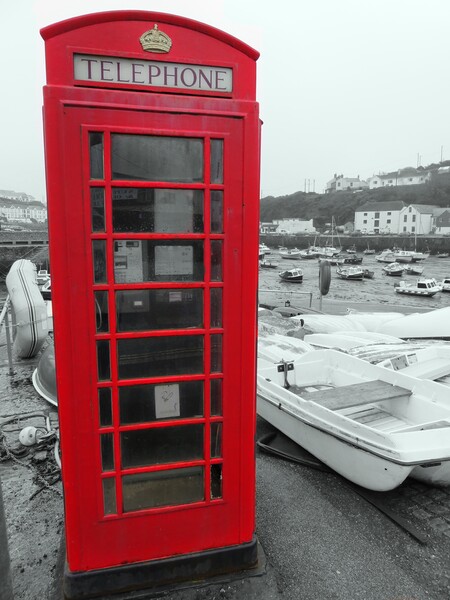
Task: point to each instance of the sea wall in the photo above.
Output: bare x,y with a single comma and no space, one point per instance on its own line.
423,243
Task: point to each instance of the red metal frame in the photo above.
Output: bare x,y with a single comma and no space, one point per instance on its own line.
93,540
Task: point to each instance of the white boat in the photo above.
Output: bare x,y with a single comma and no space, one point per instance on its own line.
404,256
265,248
351,249
393,269
445,284
372,425
420,256
351,273
413,269
434,324
442,255
292,253
310,253
432,362
292,275
386,256
29,308
267,264
275,348
327,251
42,277
422,287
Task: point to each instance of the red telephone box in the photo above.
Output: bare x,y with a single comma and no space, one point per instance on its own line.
152,157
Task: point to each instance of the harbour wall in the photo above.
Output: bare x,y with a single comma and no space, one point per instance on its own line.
433,244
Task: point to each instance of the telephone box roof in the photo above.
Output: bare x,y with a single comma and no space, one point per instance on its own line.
142,15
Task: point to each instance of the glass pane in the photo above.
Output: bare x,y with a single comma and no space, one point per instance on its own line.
109,496
216,260
216,353
163,488
105,407
216,211
107,451
216,440
216,481
157,211
139,310
103,364
216,307
160,356
96,154
136,261
216,397
101,311
98,209
145,403
216,161
156,158
99,258
161,445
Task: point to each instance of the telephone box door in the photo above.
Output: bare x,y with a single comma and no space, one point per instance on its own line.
154,232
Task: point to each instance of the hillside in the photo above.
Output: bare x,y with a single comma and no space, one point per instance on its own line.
342,205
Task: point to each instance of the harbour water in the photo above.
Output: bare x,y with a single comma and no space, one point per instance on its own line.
379,290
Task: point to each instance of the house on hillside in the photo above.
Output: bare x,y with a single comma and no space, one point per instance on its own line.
442,222
267,227
23,212
294,226
379,217
406,176
340,183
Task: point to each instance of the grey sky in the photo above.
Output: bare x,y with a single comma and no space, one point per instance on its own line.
345,86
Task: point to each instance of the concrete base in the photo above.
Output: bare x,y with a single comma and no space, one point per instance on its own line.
153,578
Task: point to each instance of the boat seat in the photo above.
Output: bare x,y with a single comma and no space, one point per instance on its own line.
356,394
429,369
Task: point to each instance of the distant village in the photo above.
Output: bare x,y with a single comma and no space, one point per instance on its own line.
375,218
17,210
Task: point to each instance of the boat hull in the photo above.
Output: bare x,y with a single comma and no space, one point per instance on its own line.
355,464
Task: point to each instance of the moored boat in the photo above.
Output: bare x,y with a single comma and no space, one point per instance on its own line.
292,275
267,264
292,253
422,287
351,273
442,255
413,269
404,256
367,274
354,259
386,256
393,269
309,253
445,284
372,425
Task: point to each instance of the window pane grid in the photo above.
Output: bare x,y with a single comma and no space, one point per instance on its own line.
207,462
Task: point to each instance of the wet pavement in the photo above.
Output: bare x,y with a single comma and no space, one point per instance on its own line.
319,538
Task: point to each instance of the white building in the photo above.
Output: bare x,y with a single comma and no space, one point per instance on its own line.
339,183
379,217
407,176
395,217
17,196
416,218
294,226
442,222
23,212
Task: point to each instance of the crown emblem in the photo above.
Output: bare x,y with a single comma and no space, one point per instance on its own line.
155,40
